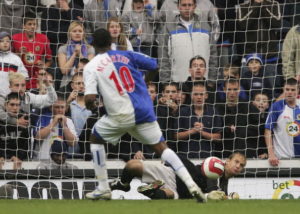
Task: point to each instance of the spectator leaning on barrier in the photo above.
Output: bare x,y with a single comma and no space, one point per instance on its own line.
17,83
282,125
58,154
14,139
187,36
9,62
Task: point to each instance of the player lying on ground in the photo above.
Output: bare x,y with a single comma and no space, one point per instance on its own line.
164,184
129,109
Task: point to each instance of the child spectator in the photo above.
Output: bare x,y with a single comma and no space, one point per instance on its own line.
253,79
75,49
9,62
139,24
119,39
33,48
14,139
52,124
17,83
258,112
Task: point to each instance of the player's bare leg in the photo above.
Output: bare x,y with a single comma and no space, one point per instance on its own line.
171,158
99,160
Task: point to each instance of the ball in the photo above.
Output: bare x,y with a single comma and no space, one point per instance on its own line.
212,167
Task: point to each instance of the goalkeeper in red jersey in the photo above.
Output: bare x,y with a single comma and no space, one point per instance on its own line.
162,183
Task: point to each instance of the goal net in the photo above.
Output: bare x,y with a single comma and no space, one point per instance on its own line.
221,67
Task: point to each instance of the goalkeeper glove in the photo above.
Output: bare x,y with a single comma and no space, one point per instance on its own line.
234,196
216,195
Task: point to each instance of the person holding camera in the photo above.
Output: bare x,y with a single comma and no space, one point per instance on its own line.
14,139
78,111
29,101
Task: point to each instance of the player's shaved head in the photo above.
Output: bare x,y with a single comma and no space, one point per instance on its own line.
101,39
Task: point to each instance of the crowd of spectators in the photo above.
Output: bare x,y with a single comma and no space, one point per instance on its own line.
223,65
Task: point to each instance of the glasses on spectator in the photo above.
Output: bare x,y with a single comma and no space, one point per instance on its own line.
42,74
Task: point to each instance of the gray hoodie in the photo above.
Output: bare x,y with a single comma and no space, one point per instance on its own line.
94,13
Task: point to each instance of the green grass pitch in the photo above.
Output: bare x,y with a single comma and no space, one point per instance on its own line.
148,206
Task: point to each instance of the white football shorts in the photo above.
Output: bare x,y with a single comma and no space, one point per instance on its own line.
111,130
153,171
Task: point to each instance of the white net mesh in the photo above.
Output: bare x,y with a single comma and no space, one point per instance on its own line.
220,70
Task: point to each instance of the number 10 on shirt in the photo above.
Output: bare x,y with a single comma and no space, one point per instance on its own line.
126,79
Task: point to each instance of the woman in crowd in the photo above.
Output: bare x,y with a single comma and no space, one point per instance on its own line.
75,49
119,39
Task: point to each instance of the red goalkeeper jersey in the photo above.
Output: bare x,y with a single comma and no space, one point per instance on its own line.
36,49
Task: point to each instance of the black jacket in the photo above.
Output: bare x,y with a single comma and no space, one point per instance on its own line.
14,141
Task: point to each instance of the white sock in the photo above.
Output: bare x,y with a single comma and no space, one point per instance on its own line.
99,161
171,158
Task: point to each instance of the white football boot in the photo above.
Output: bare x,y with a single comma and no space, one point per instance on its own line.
99,195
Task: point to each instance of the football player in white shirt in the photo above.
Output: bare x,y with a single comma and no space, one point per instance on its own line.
129,109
